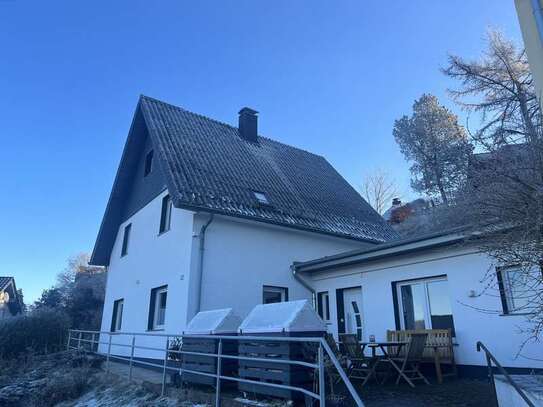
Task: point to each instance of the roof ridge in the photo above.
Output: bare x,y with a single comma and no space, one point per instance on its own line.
142,96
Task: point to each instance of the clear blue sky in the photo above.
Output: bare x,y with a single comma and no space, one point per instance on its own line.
326,76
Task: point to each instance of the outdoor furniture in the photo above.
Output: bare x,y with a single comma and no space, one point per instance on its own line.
439,348
360,367
407,365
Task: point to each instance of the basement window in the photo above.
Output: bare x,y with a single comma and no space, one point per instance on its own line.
148,163
261,198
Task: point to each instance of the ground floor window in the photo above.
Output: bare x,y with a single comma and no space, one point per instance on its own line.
117,318
323,305
424,304
518,287
272,294
157,308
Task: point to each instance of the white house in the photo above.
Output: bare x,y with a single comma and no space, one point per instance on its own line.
203,215
436,281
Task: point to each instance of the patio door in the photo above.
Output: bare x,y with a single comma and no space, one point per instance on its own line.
350,311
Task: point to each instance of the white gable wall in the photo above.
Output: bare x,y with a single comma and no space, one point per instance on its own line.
153,260
464,269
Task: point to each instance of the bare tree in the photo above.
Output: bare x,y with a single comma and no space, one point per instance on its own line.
379,189
437,146
503,197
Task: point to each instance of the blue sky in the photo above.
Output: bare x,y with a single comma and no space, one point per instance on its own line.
329,77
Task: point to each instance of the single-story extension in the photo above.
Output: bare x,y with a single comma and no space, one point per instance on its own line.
435,281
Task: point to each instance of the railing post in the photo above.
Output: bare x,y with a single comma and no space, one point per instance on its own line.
131,358
491,377
321,377
69,339
79,341
165,363
108,352
219,370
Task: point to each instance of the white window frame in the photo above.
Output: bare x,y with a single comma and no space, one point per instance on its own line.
325,305
427,311
119,315
273,289
508,291
158,295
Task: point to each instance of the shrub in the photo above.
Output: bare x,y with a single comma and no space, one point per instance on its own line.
39,332
63,387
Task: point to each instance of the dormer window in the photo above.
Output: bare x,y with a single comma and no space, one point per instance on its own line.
148,163
261,198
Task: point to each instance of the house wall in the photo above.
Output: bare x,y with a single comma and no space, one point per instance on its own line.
144,189
152,260
242,256
465,270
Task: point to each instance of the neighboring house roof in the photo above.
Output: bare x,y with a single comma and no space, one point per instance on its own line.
4,281
384,251
208,167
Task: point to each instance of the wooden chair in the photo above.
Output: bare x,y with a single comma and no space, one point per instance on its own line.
360,367
407,366
439,348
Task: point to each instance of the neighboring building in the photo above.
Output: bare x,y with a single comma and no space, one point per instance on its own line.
11,299
203,215
530,15
436,281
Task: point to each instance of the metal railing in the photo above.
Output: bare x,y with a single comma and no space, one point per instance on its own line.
490,359
90,341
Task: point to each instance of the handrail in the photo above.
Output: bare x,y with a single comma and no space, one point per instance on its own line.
491,359
323,347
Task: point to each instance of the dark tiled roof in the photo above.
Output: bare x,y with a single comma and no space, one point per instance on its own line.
4,281
209,167
212,167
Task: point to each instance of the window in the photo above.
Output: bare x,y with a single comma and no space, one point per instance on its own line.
323,305
157,308
166,214
261,198
274,294
424,304
126,239
117,318
148,163
517,286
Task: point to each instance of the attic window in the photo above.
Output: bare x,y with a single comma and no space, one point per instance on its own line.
148,163
261,198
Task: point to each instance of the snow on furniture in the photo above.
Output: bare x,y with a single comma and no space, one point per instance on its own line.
292,319
214,322
292,316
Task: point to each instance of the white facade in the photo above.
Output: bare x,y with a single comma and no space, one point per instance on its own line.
465,271
240,257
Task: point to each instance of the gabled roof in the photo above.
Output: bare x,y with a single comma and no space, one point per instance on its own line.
4,281
209,167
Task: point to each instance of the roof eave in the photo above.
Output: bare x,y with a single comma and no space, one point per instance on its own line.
382,251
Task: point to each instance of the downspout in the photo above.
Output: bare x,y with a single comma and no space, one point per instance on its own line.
304,282
201,248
